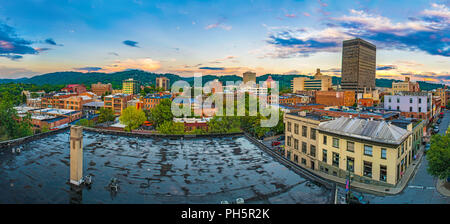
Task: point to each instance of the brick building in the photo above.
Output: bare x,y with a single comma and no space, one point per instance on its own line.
99,89
336,98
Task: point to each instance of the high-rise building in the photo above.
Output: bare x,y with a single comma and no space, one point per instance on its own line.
249,76
130,86
358,65
162,82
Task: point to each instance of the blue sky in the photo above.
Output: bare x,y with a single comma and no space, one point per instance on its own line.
222,37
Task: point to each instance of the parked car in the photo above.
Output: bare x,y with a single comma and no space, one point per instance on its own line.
274,143
439,121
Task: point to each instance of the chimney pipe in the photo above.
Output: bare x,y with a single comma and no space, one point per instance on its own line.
76,155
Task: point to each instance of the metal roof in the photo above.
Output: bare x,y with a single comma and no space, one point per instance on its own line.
371,130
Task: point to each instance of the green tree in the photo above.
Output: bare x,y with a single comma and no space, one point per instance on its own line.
106,114
171,128
132,118
86,123
224,124
45,128
161,113
439,156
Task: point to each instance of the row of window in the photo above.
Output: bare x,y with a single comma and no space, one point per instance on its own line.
312,148
367,166
410,100
368,149
304,130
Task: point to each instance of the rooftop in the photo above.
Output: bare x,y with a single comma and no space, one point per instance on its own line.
153,170
372,130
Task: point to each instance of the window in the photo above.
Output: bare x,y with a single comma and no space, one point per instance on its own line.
324,140
304,131
410,109
410,100
367,150
295,158
420,109
304,149
398,108
295,144
367,169
289,141
390,108
390,100
398,100
289,126
296,129
350,146
336,159
383,173
324,155
383,153
313,134
336,142
288,154
303,161
312,151
420,100
351,164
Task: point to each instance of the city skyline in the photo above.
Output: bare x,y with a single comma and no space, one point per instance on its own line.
222,37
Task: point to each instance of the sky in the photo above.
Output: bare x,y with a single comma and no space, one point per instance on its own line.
222,37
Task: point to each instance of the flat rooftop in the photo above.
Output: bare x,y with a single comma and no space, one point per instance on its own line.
153,170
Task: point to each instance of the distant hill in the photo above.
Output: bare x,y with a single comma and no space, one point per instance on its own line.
147,78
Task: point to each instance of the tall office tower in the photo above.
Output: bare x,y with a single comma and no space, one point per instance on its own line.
162,82
130,86
249,76
358,65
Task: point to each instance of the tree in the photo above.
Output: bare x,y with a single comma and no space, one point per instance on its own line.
439,156
224,124
132,118
106,114
45,128
86,123
171,128
161,113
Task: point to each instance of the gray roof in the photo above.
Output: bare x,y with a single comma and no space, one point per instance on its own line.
371,130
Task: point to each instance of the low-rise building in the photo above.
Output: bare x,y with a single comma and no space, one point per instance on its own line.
335,98
406,86
301,138
152,100
369,151
99,88
319,82
117,102
410,104
74,89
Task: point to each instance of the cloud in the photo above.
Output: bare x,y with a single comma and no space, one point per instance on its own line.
14,73
219,24
51,42
113,53
429,32
290,15
386,67
12,46
443,77
145,64
130,43
89,69
212,68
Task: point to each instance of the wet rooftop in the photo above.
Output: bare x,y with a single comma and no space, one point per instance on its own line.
203,170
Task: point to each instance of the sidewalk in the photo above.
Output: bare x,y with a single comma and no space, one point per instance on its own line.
375,189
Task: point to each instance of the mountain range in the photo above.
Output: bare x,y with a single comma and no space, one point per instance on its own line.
148,78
